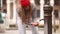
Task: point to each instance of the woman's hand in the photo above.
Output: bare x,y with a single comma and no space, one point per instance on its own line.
35,24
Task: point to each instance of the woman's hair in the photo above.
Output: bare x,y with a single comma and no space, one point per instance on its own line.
23,14
25,3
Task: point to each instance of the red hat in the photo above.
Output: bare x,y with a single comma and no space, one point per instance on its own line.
25,3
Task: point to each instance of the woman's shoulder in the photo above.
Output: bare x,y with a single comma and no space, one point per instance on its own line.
33,5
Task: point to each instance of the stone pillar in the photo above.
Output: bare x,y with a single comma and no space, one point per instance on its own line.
59,18
14,11
1,3
8,13
47,17
41,10
2,25
8,9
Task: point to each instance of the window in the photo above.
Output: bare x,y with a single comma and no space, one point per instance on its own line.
56,2
37,2
56,13
11,10
38,13
0,4
4,1
4,11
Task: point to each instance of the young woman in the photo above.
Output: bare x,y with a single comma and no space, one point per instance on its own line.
27,16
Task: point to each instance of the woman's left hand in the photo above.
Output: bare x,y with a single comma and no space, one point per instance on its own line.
35,24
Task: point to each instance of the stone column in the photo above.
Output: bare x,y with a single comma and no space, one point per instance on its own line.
8,9
14,11
41,10
59,18
2,25
8,13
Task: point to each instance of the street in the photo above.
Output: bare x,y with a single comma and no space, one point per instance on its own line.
27,32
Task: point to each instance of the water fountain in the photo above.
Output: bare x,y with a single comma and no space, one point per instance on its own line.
47,17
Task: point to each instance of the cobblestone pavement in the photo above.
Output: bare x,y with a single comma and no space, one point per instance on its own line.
28,32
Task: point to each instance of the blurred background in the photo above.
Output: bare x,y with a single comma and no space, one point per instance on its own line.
8,12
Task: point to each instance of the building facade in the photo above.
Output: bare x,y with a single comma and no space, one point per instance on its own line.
11,5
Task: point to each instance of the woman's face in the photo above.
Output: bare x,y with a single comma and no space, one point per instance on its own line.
26,8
